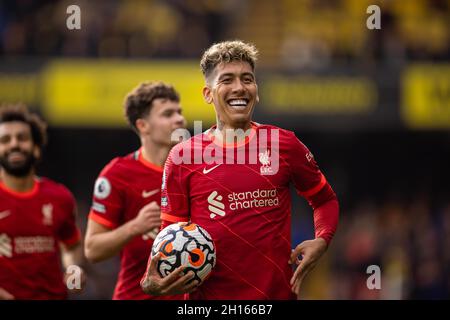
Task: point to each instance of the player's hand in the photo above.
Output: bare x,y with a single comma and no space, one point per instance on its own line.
309,252
148,219
69,281
5,295
175,283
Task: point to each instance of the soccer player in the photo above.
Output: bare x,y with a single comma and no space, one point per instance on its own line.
37,215
125,213
239,190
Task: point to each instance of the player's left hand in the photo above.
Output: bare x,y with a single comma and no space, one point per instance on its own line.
310,252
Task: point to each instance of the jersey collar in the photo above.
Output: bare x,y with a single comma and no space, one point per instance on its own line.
26,194
147,163
247,139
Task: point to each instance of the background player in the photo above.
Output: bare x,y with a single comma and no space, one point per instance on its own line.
125,214
250,223
37,215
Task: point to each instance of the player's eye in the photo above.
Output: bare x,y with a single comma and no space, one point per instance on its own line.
5,139
248,80
23,137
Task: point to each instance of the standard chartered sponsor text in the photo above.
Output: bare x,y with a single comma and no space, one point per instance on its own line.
253,199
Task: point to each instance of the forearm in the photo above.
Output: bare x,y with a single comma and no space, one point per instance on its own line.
326,219
72,255
326,213
104,245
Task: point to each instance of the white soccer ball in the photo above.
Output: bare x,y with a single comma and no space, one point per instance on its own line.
185,244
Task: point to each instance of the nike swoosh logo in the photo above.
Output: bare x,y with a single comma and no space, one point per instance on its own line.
4,214
206,171
146,194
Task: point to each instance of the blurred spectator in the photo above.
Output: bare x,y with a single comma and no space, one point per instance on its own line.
409,242
292,34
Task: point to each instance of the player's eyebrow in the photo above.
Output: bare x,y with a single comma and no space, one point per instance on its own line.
231,74
248,74
228,74
172,110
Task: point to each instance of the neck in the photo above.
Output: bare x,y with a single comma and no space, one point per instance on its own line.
232,133
156,154
19,184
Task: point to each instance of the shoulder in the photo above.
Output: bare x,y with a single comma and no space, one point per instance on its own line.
118,166
55,189
185,149
188,143
285,136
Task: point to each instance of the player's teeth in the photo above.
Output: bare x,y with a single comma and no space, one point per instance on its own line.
238,103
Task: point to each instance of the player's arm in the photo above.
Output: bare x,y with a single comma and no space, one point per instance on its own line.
175,283
174,208
313,186
70,241
72,255
5,295
102,242
310,251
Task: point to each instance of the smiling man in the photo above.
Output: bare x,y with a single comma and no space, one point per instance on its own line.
244,203
37,215
125,213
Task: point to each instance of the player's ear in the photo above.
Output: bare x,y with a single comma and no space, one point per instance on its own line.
207,94
257,95
141,125
37,152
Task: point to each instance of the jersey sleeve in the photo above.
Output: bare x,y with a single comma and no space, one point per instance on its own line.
305,173
313,186
174,193
68,232
108,199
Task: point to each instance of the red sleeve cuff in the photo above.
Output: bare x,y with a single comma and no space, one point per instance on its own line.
172,218
101,220
73,239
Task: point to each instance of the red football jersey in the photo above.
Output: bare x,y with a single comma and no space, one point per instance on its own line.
123,187
31,226
244,203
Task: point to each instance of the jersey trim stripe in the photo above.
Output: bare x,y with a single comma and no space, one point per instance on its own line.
102,220
232,144
26,194
147,163
316,189
172,218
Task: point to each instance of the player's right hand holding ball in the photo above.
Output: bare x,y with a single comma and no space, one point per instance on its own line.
175,283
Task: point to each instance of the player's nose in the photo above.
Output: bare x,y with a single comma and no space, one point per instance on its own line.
13,143
238,86
180,121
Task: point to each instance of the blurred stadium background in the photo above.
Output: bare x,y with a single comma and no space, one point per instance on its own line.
372,105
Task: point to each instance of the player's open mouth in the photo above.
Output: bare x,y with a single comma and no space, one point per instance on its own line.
238,104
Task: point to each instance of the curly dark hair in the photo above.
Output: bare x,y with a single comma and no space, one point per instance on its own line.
228,51
20,112
139,101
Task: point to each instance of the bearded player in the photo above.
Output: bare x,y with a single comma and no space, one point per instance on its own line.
125,213
239,191
37,215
